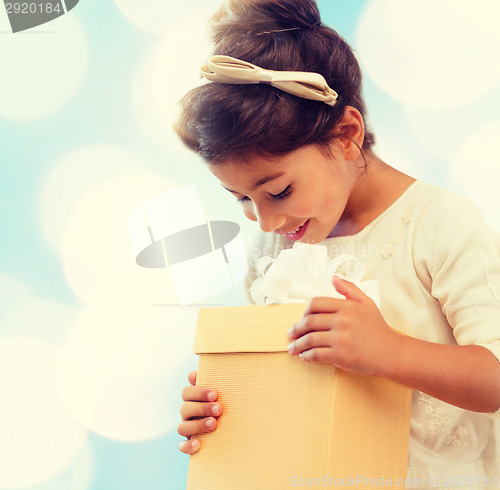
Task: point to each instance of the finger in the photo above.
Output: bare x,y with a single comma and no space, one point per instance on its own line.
311,323
310,341
192,378
200,409
323,305
191,446
198,394
318,354
349,290
190,428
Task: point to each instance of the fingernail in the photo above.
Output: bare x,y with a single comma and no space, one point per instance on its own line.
290,332
210,423
211,396
195,444
215,409
290,347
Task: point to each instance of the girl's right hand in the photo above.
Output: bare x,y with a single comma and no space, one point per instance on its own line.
199,414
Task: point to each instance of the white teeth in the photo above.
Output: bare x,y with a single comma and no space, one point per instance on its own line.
294,231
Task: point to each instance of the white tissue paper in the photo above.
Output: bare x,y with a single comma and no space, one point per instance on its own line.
305,271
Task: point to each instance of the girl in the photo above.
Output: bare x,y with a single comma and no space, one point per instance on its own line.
295,151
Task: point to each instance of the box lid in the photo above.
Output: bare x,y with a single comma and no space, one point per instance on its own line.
256,328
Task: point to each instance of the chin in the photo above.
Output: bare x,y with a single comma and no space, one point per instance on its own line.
311,241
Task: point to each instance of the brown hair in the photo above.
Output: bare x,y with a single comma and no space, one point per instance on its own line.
224,121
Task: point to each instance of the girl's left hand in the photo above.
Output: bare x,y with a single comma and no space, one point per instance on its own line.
350,333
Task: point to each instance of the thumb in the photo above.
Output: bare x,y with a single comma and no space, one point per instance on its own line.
349,290
192,378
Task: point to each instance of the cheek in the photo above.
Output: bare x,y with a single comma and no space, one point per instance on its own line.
304,207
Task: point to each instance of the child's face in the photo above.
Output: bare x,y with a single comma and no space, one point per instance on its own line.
301,195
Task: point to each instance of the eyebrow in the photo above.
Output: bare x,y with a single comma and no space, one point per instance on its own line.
261,181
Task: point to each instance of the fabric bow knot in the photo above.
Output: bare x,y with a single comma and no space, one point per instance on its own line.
308,85
305,271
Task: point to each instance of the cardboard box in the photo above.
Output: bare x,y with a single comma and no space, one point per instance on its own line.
288,423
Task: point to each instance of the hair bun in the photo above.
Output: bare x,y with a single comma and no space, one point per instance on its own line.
289,14
254,17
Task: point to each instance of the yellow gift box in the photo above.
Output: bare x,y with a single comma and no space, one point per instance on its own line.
288,423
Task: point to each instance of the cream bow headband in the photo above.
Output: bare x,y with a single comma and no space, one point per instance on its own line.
308,85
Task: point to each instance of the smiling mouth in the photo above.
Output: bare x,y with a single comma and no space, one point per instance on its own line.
296,234
293,231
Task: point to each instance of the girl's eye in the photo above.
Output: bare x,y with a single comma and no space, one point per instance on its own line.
275,197
282,195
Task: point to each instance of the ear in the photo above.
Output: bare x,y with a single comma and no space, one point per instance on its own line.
350,133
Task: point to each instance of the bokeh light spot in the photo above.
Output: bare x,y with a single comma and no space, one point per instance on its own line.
72,177
45,320
475,172
97,255
430,53
39,436
122,371
42,68
158,16
165,75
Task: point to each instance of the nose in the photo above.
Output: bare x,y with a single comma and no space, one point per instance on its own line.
269,220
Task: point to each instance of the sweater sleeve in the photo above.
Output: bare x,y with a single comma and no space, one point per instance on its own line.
460,263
